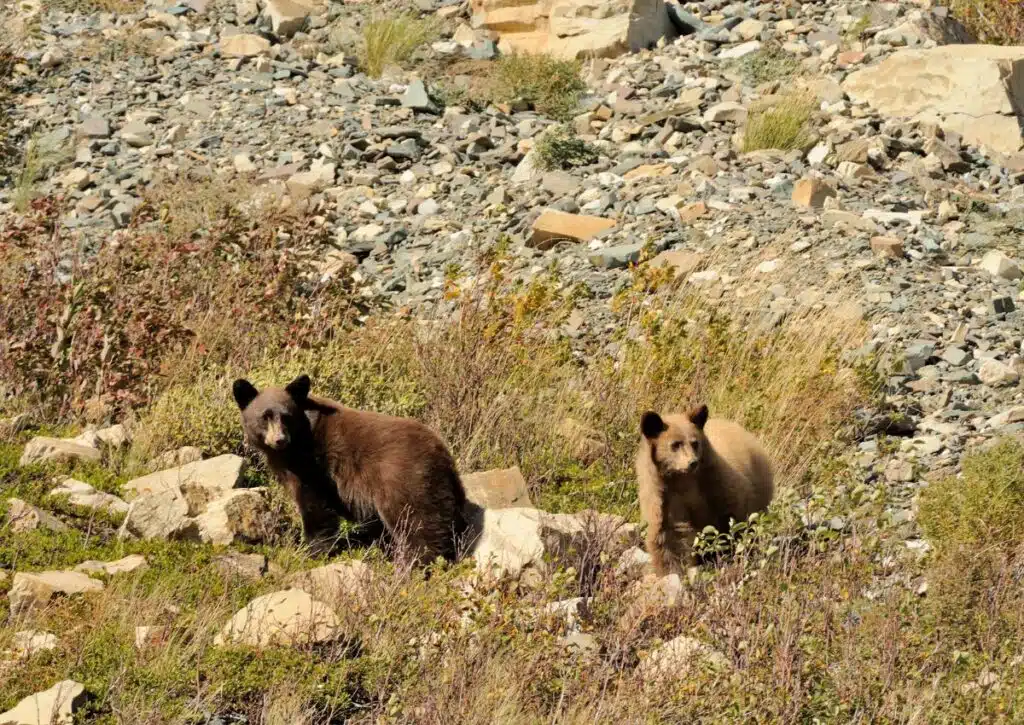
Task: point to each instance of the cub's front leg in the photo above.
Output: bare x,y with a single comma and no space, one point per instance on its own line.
320,517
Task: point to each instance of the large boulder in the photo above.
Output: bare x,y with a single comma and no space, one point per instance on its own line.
30,590
162,515
199,501
974,90
500,488
282,618
513,539
239,516
208,479
55,706
573,28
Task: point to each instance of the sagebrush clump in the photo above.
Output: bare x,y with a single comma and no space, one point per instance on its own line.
560,148
552,86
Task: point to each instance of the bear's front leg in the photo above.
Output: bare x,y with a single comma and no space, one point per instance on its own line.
320,519
675,550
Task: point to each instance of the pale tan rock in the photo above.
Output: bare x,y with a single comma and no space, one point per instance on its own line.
553,226
811,192
887,246
22,516
512,539
30,590
151,637
55,706
281,618
500,488
344,583
80,493
679,261
678,657
29,641
239,516
130,563
244,45
43,449
286,16
211,478
573,28
971,89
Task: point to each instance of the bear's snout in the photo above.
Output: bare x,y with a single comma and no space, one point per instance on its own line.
275,436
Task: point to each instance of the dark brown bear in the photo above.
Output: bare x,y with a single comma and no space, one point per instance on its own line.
365,467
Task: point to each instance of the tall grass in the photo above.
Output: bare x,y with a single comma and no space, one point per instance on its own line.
393,40
780,123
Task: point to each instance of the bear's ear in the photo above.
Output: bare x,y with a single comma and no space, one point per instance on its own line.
699,416
298,388
244,393
651,425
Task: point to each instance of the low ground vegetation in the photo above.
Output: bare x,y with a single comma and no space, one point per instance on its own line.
992,21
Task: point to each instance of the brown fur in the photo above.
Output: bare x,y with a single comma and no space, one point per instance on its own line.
693,472
365,467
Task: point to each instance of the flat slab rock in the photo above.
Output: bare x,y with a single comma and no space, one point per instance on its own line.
217,475
130,563
80,493
30,590
55,706
58,450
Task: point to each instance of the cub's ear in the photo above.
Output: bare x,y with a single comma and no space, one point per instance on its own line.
699,416
651,425
298,388
244,393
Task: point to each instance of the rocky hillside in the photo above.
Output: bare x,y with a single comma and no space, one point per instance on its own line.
808,215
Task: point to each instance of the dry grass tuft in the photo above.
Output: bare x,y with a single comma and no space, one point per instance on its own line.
780,122
392,41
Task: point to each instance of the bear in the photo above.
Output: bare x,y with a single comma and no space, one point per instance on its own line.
393,477
694,472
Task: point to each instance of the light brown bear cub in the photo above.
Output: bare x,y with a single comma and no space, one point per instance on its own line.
693,472
365,467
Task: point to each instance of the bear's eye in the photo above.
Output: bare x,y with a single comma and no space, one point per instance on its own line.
677,446
268,415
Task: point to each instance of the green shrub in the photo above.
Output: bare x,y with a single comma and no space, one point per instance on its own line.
975,524
984,508
550,85
560,148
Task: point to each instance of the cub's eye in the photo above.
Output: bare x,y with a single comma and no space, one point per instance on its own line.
677,446
268,415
